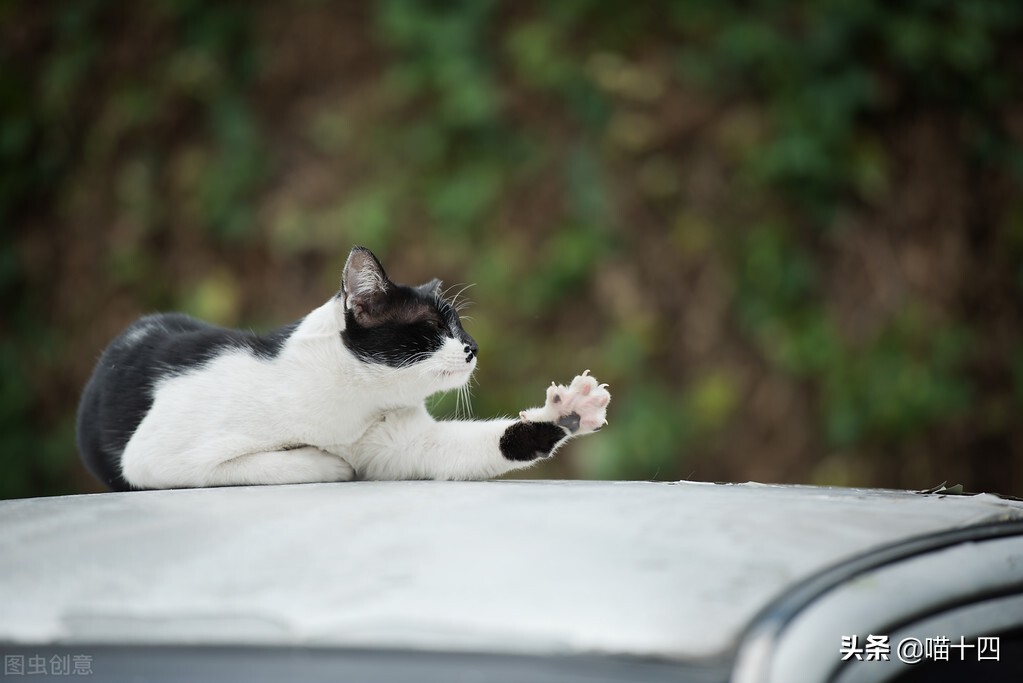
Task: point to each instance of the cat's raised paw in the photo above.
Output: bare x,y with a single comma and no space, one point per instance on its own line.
580,408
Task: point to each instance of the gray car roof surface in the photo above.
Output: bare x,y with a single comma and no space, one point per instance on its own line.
672,570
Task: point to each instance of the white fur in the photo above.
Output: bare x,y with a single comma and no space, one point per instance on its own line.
315,413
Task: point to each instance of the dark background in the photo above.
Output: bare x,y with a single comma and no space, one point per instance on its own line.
788,234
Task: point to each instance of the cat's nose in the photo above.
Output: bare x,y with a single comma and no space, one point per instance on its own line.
471,351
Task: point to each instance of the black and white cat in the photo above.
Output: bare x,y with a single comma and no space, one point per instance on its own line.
339,395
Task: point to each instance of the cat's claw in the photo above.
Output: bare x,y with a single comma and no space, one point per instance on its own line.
580,408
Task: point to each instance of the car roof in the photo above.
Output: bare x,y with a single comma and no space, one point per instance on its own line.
665,570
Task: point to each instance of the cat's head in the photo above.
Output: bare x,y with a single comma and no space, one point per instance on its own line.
401,327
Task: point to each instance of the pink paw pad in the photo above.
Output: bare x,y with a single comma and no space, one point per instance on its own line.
581,407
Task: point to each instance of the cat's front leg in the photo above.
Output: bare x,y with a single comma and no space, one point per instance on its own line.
409,444
580,408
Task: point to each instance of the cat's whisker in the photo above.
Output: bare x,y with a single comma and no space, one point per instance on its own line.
457,301
463,286
414,360
463,402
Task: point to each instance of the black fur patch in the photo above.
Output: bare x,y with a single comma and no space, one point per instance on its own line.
120,391
524,441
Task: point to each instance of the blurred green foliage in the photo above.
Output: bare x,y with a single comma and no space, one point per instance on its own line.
741,215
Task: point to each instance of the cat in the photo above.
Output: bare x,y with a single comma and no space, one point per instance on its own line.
338,395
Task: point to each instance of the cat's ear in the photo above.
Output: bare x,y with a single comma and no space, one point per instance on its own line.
431,288
363,282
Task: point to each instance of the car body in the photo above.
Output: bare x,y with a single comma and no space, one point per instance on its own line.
506,580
